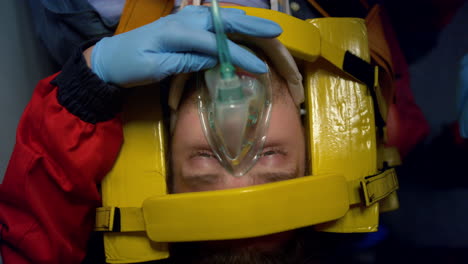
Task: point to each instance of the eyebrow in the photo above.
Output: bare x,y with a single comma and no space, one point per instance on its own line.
275,176
200,180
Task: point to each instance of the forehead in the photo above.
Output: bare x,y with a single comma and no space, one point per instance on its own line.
187,113
284,112
189,92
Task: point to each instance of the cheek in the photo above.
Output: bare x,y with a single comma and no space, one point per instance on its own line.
202,164
180,187
286,130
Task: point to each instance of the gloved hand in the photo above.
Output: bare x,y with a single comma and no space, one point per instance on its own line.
178,43
463,97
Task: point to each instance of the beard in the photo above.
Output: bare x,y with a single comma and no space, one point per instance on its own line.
290,251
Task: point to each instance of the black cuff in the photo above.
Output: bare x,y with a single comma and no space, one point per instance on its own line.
83,93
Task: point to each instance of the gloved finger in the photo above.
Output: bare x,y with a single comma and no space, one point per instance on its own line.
200,16
230,11
234,20
184,62
249,25
204,42
191,10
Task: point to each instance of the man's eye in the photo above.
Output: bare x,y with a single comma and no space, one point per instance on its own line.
274,151
205,154
269,152
202,154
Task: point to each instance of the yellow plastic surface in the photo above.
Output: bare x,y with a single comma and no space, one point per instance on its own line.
246,212
304,40
341,122
301,39
138,173
256,210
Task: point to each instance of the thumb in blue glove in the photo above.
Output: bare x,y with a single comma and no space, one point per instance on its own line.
178,43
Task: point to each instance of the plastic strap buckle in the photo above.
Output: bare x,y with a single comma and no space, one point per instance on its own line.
379,186
104,219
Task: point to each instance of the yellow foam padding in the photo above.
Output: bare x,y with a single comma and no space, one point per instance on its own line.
256,210
301,39
379,49
138,173
304,41
246,212
340,122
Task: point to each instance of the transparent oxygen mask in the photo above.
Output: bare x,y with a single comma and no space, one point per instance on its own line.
234,108
235,114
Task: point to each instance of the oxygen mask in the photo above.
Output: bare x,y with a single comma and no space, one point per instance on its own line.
234,108
235,116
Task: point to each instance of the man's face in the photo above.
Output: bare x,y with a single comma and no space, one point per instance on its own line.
195,168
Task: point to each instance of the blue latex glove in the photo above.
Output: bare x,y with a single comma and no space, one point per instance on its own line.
463,99
178,43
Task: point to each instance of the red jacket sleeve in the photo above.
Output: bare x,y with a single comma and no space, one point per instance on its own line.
49,194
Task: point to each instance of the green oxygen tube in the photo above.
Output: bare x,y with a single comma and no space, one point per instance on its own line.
230,87
234,107
231,107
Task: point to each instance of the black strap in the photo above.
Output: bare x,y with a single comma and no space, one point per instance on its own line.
364,72
359,68
116,227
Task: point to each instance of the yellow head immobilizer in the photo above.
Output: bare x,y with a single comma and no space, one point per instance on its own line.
345,190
